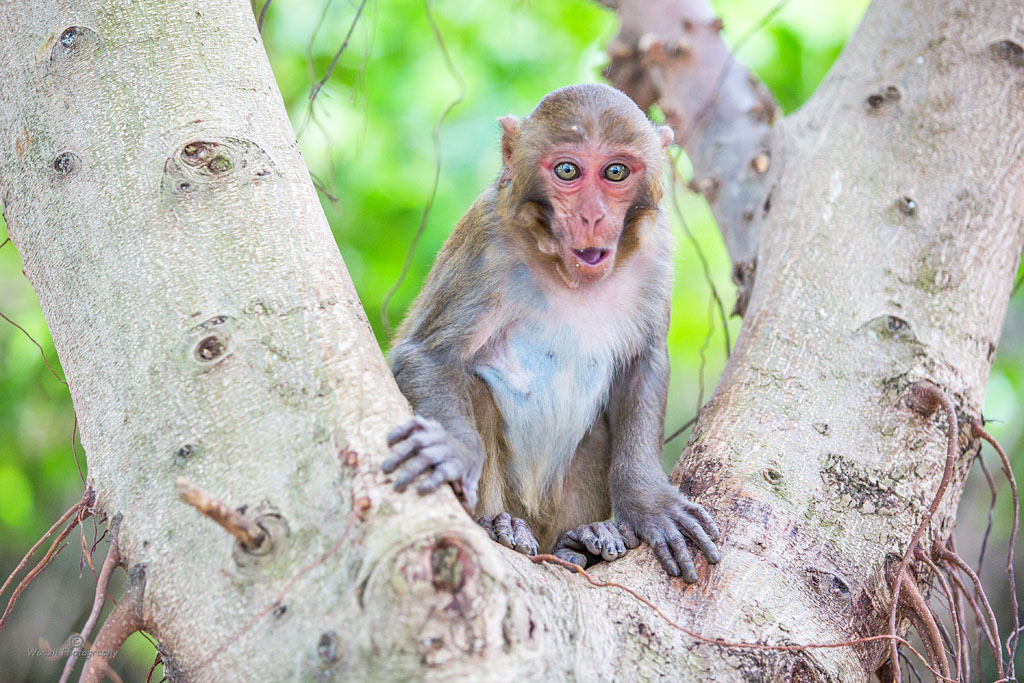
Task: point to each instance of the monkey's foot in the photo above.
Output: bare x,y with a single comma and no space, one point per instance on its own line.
591,543
510,531
423,447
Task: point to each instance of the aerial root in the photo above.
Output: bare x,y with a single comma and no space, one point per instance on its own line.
925,398
79,512
1011,640
982,609
126,619
924,620
960,648
110,563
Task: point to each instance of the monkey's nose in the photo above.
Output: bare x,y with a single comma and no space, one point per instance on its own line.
591,221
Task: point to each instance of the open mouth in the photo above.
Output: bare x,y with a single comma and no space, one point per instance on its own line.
591,255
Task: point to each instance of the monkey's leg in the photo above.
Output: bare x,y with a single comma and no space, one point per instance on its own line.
511,532
588,544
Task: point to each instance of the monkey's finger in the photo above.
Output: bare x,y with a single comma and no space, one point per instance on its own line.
695,531
705,519
392,463
628,535
525,542
418,464
503,533
659,544
620,542
402,431
447,470
465,489
677,542
611,543
398,456
417,443
571,556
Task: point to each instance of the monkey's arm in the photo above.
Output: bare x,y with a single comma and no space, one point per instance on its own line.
441,441
642,495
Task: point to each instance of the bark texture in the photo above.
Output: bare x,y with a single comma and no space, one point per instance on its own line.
154,188
208,329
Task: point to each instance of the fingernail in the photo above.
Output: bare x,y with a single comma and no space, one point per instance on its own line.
691,576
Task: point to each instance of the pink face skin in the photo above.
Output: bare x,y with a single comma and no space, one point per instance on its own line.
590,208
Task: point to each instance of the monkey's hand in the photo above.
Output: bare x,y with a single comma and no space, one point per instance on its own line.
590,543
665,522
511,532
425,448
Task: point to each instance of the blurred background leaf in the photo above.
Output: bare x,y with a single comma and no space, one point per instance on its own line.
367,142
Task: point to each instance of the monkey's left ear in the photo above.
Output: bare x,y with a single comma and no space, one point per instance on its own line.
666,136
510,126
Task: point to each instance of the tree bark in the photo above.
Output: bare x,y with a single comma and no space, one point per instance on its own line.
154,189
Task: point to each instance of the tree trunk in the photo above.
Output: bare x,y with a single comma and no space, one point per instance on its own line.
154,189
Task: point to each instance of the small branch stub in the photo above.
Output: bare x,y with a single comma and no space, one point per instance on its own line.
250,534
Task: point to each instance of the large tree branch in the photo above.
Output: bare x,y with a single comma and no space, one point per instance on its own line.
209,330
670,53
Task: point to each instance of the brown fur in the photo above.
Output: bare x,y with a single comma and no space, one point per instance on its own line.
474,279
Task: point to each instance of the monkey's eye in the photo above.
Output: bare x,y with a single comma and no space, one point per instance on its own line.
567,171
616,172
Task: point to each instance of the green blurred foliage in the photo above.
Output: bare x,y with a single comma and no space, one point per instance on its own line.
367,139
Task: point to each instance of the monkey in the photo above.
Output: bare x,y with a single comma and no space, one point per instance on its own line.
535,357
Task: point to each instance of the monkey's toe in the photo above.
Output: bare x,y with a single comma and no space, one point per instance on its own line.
511,532
590,543
571,556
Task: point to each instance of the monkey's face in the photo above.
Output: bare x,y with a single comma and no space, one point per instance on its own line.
582,177
590,188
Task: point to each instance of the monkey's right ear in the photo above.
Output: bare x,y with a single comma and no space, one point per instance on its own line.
510,126
665,135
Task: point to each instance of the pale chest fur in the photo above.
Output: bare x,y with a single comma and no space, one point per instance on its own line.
549,358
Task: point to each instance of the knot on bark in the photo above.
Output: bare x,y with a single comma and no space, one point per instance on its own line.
67,164
208,163
876,101
209,340
1010,52
74,43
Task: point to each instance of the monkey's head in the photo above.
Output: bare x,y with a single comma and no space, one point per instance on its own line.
581,178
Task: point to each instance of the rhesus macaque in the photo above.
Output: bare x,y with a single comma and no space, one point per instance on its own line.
535,357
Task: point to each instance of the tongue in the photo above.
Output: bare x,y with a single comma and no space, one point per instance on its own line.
591,255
